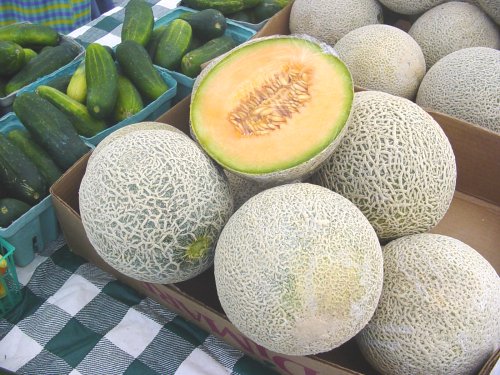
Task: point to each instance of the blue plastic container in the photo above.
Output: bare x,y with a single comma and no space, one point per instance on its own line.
185,84
149,113
6,102
10,290
38,227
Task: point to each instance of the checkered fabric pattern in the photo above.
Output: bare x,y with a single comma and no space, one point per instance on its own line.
106,29
77,319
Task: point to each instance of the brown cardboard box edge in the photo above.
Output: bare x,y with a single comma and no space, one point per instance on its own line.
474,221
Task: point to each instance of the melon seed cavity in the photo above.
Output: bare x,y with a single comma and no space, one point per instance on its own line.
270,106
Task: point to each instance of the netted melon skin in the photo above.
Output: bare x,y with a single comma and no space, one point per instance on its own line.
146,125
298,269
395,164
466,85
438,313
146,198
330,20
453,26
384,58
492,7
296,173
411,7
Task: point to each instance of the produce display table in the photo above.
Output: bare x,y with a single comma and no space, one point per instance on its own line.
77,319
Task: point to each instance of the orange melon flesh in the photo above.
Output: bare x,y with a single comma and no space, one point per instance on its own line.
307,91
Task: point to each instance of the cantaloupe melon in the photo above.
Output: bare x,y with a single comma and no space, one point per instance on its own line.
466,85
272,109
146,125
153,205
383,57
439,309
453,26
410,6
492,8
395,163
298,269
330,20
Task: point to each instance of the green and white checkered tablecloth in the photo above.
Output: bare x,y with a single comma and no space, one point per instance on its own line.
77,319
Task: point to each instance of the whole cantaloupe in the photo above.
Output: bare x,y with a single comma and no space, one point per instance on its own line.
492,7
439,309
453,26
298,269
153,205
410,7
330,20
384,58
395,164
466,85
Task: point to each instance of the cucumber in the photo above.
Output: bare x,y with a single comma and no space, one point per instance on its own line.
138,67
243,16
50,128
11,58
138,22
224,6
155,38
29,55
2,89
77,87
76,112
192,61
174,43
29,34
60,83
206,24
267,9
22,140
44,63
129,100
195,43
20,177
10,210
102,81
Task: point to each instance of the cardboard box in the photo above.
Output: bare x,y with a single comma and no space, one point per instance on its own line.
474,218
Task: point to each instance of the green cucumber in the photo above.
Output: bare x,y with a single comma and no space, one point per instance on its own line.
10,210
102,81
29,34
11,58
267,9
22,140
76,112
155,38
129,100
29,55
50,128
243,15
206,24
192,61
2,89
77,87
44,63
60,83
174,43
138,22
19,176
224,6
138,67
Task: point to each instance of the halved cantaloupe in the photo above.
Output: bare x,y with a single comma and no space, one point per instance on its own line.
273,108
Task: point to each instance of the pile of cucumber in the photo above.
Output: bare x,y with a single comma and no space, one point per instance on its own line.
28,52
250,11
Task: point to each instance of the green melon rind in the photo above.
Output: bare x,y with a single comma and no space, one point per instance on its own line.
466,85
139,126
438,313
287,251
304,166
153,205
395,164
452,26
